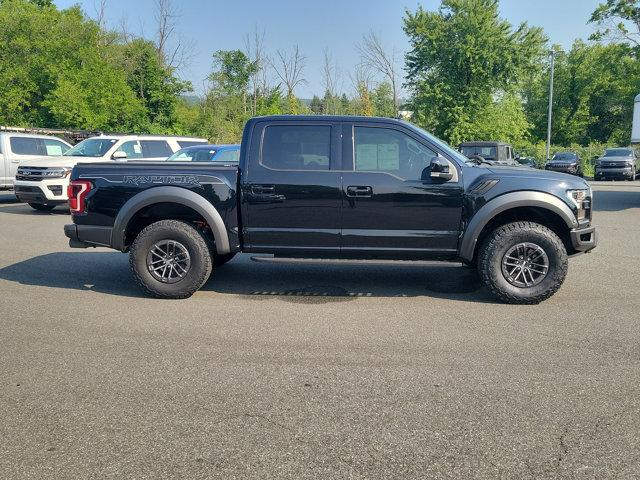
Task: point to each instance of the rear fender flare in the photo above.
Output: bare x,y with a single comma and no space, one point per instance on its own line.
506,202
168,194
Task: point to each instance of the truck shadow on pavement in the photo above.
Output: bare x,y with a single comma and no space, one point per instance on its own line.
108,272
615,200
16,208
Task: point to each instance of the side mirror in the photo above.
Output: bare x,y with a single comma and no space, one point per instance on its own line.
440,169
119,155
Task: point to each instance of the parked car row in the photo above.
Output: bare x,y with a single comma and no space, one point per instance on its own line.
37,167
614,164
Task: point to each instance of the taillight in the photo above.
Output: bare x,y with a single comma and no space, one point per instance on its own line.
77,191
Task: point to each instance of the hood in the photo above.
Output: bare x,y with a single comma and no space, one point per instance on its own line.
534,174
61,161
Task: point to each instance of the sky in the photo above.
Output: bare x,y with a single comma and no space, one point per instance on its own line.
338,25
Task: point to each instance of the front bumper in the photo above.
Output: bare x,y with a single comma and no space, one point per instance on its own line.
84,236
584,239
570,169
622,172
51,191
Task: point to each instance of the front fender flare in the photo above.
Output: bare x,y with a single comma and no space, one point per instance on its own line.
168,194
507,202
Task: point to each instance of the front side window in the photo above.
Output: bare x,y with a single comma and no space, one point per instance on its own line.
390,151
92,147
296,147
26,146
54,147
132,149
155,149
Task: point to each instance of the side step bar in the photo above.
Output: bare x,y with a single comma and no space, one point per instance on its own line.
346,261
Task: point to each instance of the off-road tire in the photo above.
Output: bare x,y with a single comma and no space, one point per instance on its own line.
42,207
195,243
219,260
500,241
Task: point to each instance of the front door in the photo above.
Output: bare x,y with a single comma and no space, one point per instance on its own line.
291,198
391,205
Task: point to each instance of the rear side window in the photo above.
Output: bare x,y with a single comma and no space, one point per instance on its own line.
27,146
296,147
155,149
190,143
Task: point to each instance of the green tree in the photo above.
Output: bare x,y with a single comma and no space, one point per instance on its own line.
316,105
618,20
594,87
154,84
462,56
383,101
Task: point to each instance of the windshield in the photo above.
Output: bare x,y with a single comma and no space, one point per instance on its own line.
92,147
564,156
488,153
204,154
618,152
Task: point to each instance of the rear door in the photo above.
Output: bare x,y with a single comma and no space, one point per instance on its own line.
391,205
291,191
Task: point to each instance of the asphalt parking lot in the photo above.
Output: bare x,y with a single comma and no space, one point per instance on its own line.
309,371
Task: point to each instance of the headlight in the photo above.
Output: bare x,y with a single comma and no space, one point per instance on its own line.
581,200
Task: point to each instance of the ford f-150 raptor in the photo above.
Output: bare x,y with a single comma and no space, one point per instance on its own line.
335,187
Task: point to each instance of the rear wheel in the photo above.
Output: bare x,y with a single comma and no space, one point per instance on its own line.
42,207
170,259
522,263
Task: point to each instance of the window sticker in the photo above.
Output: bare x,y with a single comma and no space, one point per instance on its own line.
388,156
136,148
366,157
54,150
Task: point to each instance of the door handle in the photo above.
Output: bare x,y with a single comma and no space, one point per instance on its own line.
261,189
264,194
360,191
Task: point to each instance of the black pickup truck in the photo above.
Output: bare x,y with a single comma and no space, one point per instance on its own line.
335,187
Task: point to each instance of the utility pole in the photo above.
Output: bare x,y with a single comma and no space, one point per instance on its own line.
550,105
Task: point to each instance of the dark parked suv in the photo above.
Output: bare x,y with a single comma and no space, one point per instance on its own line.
310,187
565,162
617,163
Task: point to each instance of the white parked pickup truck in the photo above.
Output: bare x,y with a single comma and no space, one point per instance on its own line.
21,147
42,183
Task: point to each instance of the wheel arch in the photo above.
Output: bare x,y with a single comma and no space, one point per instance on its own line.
171,195
527,205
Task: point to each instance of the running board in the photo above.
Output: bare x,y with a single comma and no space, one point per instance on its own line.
348,261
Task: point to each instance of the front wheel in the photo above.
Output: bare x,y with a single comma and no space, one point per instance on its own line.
522,263
41,207
170,259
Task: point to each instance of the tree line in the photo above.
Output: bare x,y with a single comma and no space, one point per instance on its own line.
469,75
